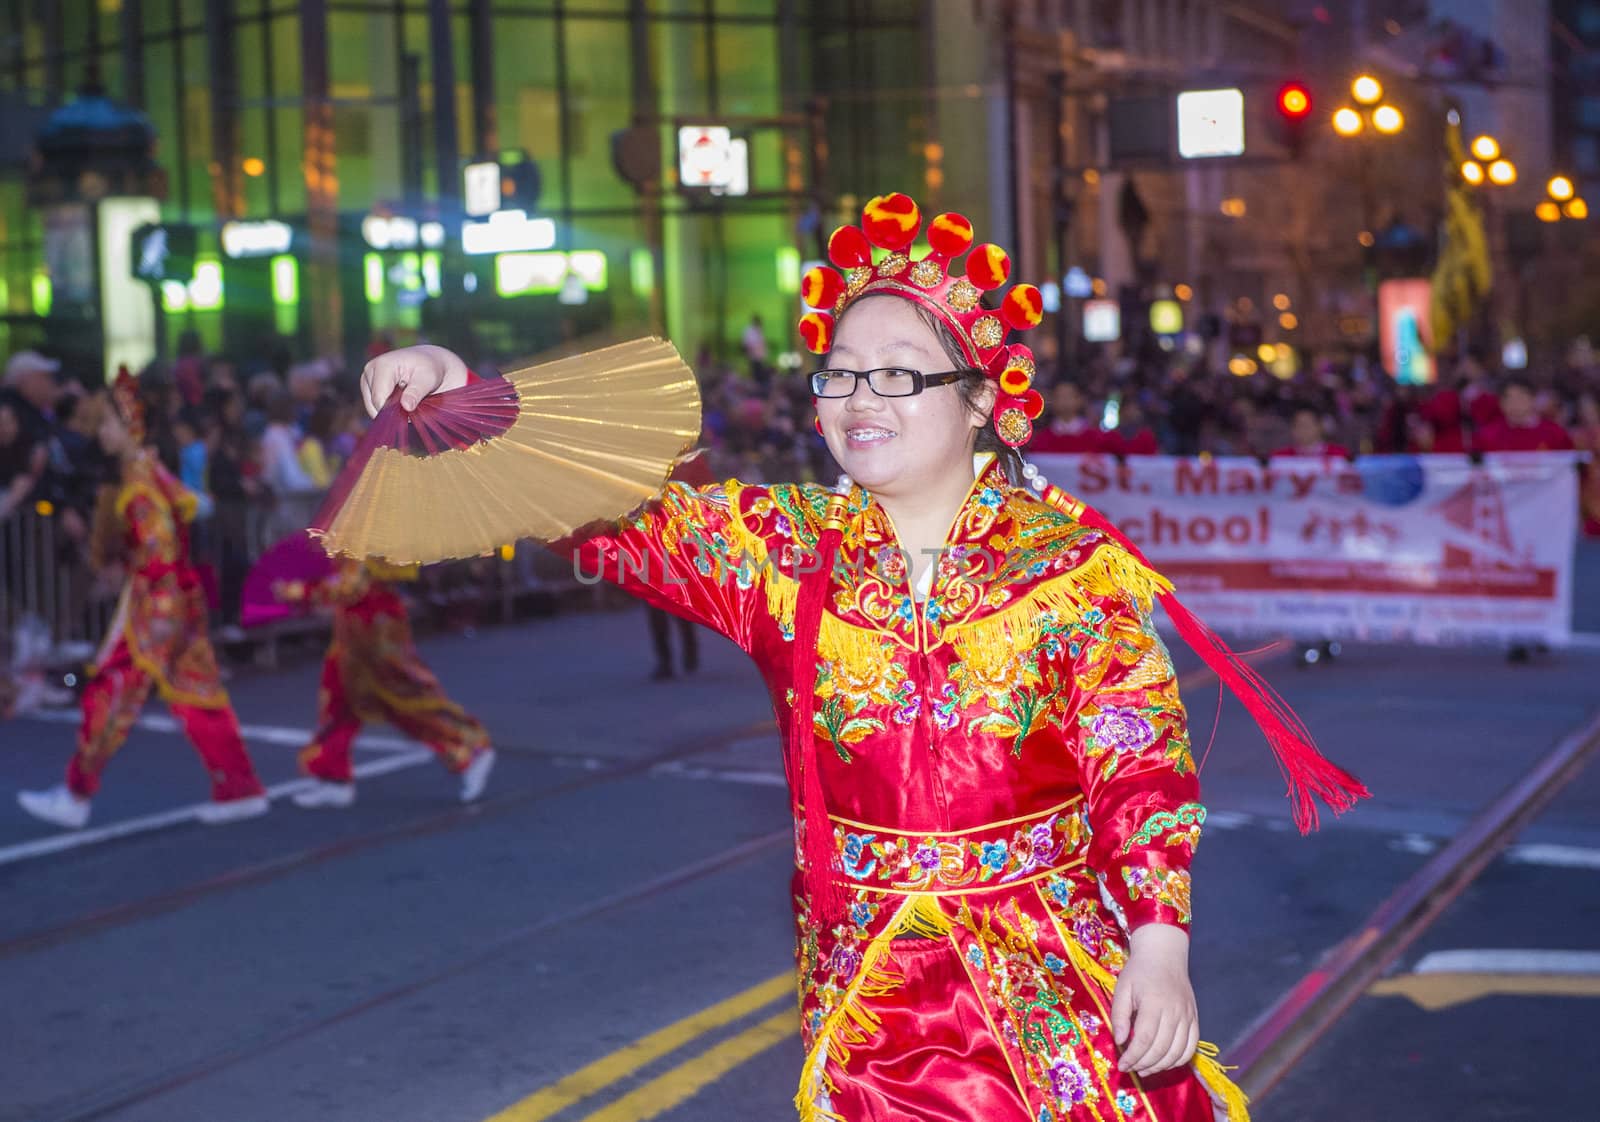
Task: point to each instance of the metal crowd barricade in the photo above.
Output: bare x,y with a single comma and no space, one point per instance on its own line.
44,576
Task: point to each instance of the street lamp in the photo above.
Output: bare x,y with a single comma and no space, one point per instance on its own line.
1563,201
1367,92
1488,164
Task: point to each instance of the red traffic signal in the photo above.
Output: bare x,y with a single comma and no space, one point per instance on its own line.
1294,101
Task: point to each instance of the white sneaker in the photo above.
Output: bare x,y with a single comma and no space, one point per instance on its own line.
322,793
475,777
57,805
233,810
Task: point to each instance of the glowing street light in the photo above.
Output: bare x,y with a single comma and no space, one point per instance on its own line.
1472,172
1368,94
1387,120
1502,173
1560,188
1486,148
1577,208
1548,211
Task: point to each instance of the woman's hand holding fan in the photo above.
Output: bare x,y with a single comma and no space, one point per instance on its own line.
473,465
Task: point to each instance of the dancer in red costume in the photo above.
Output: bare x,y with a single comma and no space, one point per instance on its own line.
158,637
372,672
994,793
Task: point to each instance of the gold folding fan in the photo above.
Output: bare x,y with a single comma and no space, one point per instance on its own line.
552,447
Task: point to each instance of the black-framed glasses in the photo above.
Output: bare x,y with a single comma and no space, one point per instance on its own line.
888,381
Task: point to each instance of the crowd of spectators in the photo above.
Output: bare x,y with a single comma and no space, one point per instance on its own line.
260,445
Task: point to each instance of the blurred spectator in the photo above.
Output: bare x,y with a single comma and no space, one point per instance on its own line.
189,371
22,462
1442,425
1069,428
316,454
30,388
192,457
280,451
259,392
1586,437
1521,428
234,486
1133,437
1310,438
754,343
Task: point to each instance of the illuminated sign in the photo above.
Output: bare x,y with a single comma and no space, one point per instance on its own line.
256,239
1210,123
480,188
1102,321
528,274
508,231
710,157
1166,317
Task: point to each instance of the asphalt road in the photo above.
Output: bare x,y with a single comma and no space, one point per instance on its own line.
606,937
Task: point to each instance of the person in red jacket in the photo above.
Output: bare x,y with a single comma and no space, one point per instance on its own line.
1070,430
1521,429
1132,436
1309,438
1445,420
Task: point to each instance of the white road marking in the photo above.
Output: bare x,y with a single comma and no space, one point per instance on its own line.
76,839
1509,962
266,734
1557,856
679,770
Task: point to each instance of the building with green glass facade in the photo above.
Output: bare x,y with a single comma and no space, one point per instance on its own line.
317,151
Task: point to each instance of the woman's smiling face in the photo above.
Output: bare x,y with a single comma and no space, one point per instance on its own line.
890,445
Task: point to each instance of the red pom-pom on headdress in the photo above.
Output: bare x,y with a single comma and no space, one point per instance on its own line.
891,221
821,288
849,248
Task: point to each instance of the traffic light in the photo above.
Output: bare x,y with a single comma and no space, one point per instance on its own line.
520,182
1294,112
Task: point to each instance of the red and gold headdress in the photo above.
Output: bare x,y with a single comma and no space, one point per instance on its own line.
953,294
125,400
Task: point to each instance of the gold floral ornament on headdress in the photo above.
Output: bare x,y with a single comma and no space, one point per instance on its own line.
954,294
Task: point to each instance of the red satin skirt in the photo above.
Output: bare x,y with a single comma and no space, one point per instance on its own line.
936,1058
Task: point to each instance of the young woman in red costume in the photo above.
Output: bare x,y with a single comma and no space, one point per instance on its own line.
372,672
994,793
158,637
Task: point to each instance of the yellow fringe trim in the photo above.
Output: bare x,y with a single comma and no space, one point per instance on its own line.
990,642
1215,1077
852,1023
858,650
782,590
1206,1065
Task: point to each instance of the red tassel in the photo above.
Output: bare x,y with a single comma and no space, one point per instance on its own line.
829,900
1309,774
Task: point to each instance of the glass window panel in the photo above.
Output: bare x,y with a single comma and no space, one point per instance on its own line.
527,102
160,105
680,60
766,9
747,68
600,85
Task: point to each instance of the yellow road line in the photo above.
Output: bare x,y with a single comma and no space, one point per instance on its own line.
670,1088
1440,991
608,1069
